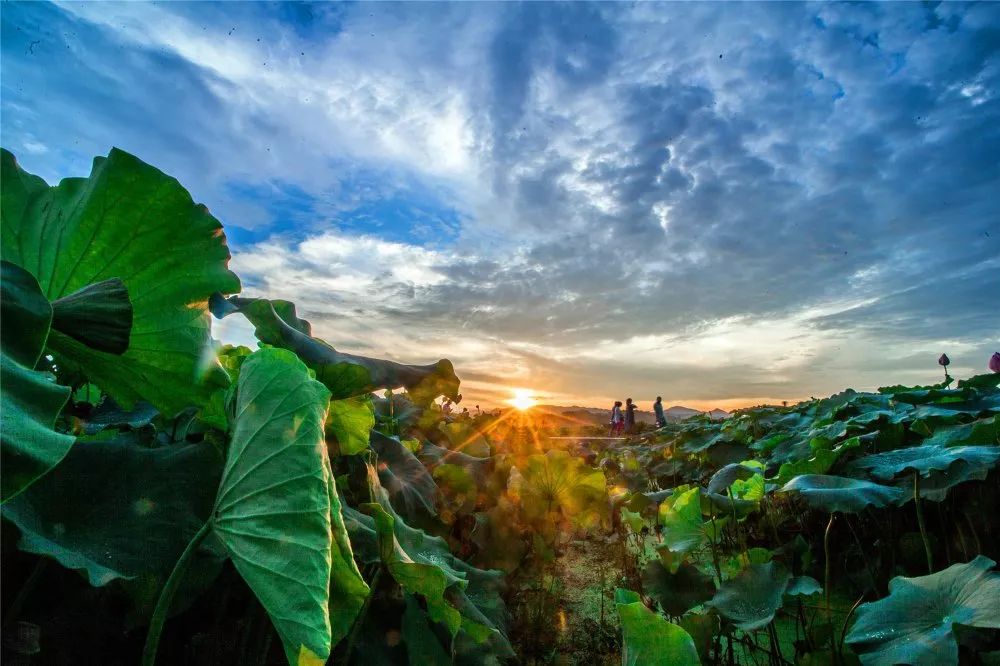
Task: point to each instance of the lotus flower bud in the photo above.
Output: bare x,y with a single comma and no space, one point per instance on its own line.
944,360
994,364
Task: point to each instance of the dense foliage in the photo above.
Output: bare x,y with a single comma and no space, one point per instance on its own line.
224,497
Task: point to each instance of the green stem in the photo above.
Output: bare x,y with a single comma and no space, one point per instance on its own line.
167,596
360,619
826,562
22,595
920,522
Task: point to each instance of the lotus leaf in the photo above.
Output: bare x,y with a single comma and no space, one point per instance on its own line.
676,592
837,493
648,639
65,515
350,421
926,459
346,375
273,509
31,400
558,483
411,487
915,623
128,221
684,530
751,599
803,586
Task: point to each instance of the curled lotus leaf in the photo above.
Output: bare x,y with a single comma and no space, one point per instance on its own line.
915,623
838,493
346,375
558,483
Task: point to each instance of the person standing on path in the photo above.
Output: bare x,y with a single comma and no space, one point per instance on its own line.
629,416
617,420
661,420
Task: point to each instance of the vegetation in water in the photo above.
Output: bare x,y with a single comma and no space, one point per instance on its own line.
166,500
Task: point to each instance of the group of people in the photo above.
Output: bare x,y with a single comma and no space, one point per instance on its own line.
623,422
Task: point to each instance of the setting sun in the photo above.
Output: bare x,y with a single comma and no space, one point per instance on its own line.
523,399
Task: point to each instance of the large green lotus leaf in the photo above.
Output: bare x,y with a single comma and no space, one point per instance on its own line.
648,639
558,483
978,433
30,401
412,490
936,486
725,477
273,509
676,592
129,221
684,529
926,459
350,420
990,380
819,463
837,493
751,599
915,623
346,375
117,509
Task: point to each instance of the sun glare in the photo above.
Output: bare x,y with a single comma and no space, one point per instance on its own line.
522,399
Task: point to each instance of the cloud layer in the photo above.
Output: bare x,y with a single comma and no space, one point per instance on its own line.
716,203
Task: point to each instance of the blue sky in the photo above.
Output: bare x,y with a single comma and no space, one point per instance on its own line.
719,203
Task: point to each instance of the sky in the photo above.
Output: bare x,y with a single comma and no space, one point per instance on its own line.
723,204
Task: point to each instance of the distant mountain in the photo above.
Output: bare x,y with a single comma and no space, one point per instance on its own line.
567,416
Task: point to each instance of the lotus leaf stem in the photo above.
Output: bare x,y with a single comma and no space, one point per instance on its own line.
826,561
360,619
920,522
167,596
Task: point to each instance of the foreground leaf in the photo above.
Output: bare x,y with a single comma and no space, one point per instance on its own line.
273,510
30,401
117,509
648,639
915,623
129,221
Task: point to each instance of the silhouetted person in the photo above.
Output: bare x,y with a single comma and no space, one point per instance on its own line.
617,420
661,419
629,416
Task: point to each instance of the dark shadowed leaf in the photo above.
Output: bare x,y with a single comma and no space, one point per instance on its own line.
411,487
751,599
118,510
676,592
98,315
915,623
30,401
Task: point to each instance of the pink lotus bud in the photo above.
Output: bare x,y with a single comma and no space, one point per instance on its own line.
944,360
994,363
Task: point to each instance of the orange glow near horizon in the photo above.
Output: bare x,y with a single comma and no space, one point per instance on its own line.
523,399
